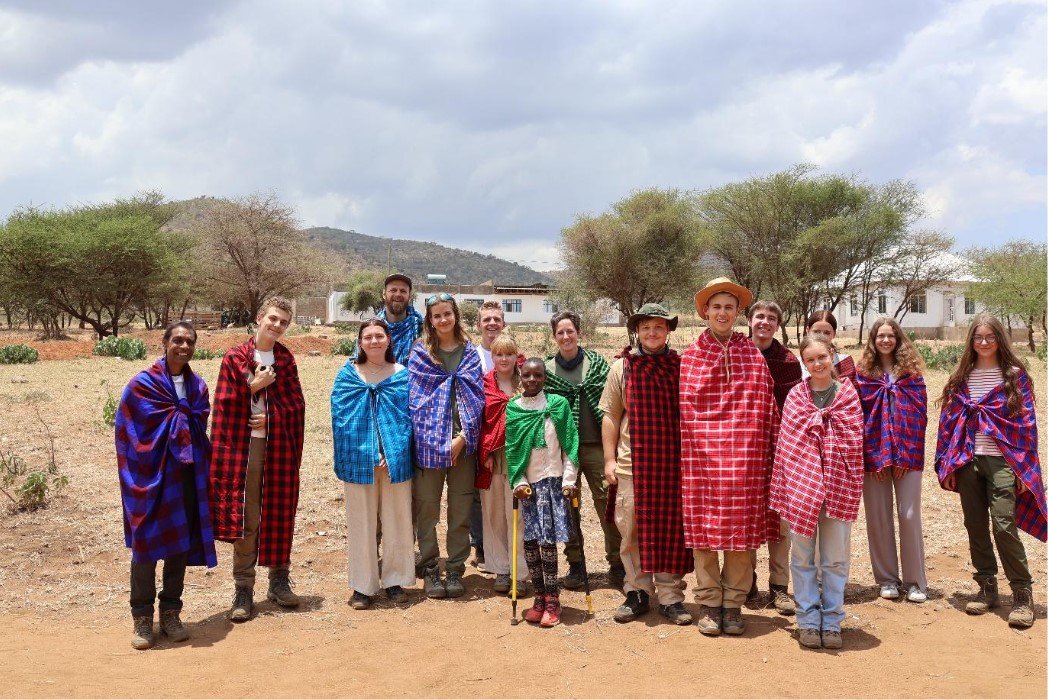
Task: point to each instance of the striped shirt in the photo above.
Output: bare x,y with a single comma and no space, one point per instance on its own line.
980,383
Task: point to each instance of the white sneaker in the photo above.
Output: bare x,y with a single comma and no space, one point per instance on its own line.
915,594
890,591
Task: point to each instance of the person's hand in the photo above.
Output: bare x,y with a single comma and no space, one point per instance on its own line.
257,421
489,464
522,492
880,475
1020,486
264,376
570,492
457,445
898,473
382,464
950,482
609,473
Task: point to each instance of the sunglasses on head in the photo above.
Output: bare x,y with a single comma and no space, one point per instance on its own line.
443,296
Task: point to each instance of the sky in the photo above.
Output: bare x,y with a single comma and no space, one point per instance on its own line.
492,125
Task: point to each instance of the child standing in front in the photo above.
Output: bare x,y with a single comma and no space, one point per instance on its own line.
987,453
542,445
816,485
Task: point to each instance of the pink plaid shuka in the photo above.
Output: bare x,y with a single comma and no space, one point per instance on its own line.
818,459
728,421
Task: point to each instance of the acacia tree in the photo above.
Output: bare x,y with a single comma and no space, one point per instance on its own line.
922,262
364,292
644,249
251,248
91,262
1012,282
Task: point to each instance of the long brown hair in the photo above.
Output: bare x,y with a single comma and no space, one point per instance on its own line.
905,358
1007,360
362,356
432,344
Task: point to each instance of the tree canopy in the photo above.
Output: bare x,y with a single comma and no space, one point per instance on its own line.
1013,281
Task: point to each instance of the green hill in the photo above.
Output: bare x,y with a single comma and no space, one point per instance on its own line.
419,258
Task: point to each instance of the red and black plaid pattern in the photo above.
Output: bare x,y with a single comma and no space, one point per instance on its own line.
1016,437
728,428
846,368
895,415
818,459
231,439
785,371
652,393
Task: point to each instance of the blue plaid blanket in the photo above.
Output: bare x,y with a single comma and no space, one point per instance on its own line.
361,415
429,401
158,436
404,333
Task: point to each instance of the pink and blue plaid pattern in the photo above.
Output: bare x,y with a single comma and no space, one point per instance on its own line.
895,418
1016,437
429,401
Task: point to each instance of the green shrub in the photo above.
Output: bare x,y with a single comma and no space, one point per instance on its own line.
18,355
1042,353
298,329
28,489
344,346
127,348
945,358
346,328
202,354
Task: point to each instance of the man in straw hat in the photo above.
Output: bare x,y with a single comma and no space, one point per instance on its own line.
641,436
728,421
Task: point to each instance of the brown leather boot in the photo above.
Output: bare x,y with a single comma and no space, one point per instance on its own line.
1022,608
987,598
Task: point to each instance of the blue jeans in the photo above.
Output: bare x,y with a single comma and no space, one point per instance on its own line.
823,611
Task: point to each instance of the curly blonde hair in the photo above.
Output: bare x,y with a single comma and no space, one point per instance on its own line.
905,358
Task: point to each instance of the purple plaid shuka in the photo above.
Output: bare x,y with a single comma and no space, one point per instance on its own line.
429,401
158,436
1016,437
895,418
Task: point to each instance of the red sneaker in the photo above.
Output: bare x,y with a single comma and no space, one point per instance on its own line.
551,617
535,612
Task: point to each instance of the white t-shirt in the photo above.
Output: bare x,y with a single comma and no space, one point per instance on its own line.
486,363
258,400
180,385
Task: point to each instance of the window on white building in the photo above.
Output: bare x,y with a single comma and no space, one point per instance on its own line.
969,306
882,303
511,306
919,304
475,302
854,305
550,307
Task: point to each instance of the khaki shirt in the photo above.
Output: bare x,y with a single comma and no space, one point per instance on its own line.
613,403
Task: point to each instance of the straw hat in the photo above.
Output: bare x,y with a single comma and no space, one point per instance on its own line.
718,285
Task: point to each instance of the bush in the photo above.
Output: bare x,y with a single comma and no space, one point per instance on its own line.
18,355
28,489
346,328
127,348
202,354
345,346
945,358
1042,353
109,408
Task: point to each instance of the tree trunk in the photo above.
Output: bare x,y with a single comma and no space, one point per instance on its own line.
1029,335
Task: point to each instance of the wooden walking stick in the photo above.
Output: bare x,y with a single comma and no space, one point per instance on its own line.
582,546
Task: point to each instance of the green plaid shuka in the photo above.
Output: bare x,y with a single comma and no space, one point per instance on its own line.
526,430
592,385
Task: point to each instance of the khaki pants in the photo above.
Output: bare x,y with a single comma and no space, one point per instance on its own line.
727,587
366,506
778,558
497,523
670,587
591,465
427,489
245,549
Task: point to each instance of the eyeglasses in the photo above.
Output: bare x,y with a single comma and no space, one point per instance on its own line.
443,296
984,339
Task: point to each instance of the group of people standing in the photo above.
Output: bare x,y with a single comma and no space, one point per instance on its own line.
694,461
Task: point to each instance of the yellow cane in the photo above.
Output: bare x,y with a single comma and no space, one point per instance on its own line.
513,564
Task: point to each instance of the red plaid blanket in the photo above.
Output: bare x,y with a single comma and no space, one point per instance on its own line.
728,421
818,459
231,439
652,385
785,371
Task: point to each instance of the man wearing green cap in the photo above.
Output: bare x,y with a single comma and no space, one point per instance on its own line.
641,436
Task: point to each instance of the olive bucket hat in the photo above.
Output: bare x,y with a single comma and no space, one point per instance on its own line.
651,310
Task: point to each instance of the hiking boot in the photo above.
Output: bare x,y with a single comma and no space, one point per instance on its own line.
143,630
575,578
831,639
781,598
503,582
171,626
551,615
635,605
709,620
536,611
733,623
987,598
432,583
280,592
396,594
675,613
810,638
617,575
453,587
1022,608
359,601
243,605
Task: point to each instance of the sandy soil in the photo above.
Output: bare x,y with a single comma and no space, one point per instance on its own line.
64,588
